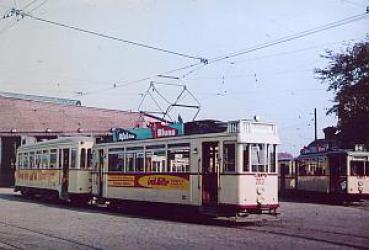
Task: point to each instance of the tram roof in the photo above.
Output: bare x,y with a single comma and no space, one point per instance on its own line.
62,140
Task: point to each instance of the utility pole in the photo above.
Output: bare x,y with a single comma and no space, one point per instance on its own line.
315,125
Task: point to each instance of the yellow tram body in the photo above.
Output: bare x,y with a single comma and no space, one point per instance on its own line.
57,169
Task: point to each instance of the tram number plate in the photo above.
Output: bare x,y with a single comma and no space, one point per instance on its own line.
260,180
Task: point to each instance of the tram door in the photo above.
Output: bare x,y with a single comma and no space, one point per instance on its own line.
100,174
65,172
210,171
336,181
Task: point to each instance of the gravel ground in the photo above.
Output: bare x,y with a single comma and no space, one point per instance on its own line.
26,224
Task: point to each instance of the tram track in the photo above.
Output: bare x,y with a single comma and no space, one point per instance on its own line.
305,236
278,228
48,235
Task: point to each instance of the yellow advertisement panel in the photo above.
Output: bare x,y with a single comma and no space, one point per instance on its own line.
153,181
168,182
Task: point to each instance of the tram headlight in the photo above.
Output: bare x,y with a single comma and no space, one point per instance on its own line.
360,188
360,183
259,190
260,200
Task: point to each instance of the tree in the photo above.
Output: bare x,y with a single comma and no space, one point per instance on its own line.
347,75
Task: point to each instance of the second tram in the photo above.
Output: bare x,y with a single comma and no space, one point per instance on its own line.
341,174
55,169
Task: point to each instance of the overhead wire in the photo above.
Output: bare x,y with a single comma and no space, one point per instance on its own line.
203,62
118,39
255,48
292,37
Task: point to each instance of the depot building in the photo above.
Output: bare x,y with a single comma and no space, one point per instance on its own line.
27,119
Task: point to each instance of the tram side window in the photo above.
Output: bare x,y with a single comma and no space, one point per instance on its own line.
38,159
25,160
285,169
19,163
139,162
82,160
32,159
246,158
179,158
53,157
357,168
130,161
155,159
271,157
73,158
229,156
303,166
89,158
60,164
116,161
45,159
258,160
322,166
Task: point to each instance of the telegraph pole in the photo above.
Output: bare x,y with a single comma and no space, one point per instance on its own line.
315,125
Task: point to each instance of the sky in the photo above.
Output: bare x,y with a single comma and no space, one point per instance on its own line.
277,83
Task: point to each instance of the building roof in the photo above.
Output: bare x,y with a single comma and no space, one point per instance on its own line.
56,100
18,116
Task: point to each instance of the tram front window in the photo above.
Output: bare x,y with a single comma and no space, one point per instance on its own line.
258,158
229,155
357,168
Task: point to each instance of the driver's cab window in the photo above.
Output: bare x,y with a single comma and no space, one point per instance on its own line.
229,156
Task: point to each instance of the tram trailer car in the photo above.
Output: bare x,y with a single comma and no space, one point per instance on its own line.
341,174
229,173
55,169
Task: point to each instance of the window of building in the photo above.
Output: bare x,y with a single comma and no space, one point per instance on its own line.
229,156
258,158
179,157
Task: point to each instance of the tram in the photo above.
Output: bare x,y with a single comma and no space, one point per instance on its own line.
227,172
212,167
55,169
341,173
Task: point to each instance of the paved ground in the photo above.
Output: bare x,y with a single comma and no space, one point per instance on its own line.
28,224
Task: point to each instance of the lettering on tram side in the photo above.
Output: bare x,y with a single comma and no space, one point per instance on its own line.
163,182
38,176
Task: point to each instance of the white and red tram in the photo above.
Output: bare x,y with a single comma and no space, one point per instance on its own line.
226,173
340,173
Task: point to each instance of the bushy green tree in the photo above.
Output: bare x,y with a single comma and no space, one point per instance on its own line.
347,75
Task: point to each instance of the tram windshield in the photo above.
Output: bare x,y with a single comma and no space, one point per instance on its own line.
358,168
261,157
